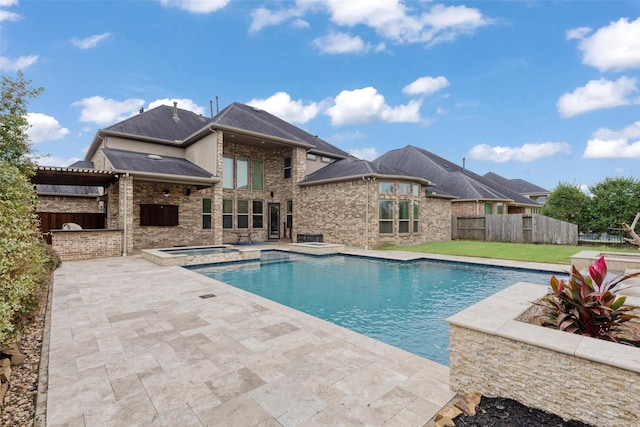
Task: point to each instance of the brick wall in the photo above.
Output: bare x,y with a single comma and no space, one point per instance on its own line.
83,244
338,212
67,204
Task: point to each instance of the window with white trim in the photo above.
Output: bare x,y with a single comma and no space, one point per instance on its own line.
385,215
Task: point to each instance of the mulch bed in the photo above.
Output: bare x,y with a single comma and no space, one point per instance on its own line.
500,412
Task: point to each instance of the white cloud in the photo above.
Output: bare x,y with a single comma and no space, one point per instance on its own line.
365,105
577,33
7,3
43,128
336,43
54,161
369,153
347,136
196,6
101,111
281,105
525,153
597,94
5,15
611,144
17,64
391,19
426,85
91,41
614,47
183,103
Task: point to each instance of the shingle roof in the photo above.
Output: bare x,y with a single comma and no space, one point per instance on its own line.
71,190
350,168
159,123
142,162
449,177
81,164
252,119
518,185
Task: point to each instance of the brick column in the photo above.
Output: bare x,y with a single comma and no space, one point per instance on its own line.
216,194
125,212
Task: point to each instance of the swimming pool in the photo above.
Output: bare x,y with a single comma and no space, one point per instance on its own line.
404,304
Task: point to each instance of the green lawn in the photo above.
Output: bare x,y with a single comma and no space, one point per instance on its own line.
554,254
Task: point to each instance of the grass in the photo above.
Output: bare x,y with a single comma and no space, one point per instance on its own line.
554,254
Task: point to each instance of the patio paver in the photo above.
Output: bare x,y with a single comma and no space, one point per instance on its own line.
132,343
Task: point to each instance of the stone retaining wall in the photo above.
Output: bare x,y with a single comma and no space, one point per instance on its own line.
575,377
73,245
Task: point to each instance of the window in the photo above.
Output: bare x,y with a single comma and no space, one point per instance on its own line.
158,215
289,210
386,216
311,156
403,217
404,188
243,213
500,208
488,208
324,159
385,187
206,214
416,189
287,167
257,179
243,173
227,213
416,216
227,172
258,214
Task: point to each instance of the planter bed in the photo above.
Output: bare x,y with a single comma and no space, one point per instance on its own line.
574,377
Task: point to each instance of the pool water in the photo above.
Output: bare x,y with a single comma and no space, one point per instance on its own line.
404,304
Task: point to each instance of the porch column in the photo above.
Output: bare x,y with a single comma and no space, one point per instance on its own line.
125,219
216,194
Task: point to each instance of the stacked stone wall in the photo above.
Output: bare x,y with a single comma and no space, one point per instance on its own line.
568,386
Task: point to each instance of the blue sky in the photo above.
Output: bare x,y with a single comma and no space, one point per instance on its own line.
546,91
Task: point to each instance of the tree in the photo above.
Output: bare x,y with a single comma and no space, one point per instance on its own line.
14,140
567,203
614,202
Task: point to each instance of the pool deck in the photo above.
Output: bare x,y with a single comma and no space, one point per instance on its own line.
133,343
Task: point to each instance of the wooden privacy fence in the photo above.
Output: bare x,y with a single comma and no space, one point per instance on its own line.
515,228
54,220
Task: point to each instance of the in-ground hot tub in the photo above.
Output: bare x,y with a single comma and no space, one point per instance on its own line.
194,255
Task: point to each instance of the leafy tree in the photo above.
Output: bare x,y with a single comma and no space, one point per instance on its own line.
14,141
614,201
23,257
567,203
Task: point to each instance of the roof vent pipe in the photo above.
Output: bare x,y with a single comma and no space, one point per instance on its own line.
175,110
464,160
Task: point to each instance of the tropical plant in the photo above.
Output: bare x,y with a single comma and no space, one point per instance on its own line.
588,305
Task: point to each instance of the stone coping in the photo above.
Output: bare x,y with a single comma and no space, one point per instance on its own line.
317,248
84,230
496,316
616,261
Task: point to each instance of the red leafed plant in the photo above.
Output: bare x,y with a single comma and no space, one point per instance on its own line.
588,305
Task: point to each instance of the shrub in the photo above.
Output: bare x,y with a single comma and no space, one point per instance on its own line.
587,305
23,257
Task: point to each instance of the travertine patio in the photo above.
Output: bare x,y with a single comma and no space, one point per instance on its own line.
133,343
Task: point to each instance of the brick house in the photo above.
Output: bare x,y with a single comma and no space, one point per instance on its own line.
169,177
473,194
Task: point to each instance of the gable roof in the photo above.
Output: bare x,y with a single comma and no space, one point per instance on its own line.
449,177
244,117
518,185
154,165
348,169
166,123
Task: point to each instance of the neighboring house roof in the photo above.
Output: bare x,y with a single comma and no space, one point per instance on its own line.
518,185
67,190
449,177
130,161
166,123
245,117
347,169
80,164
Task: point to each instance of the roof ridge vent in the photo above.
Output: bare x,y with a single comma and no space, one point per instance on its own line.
154,157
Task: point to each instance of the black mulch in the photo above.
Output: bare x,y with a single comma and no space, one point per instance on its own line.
500,412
